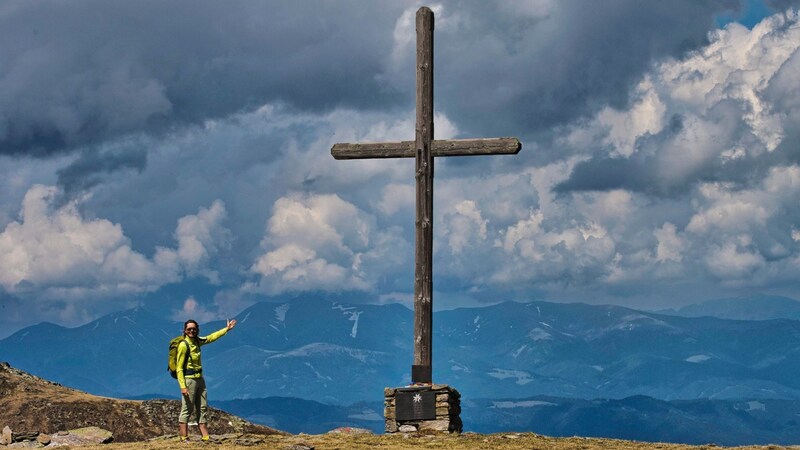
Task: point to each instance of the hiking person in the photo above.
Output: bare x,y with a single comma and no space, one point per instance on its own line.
194,398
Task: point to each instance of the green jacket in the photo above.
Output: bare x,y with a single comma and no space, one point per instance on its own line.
193,354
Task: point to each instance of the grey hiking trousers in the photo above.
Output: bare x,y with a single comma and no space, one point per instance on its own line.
195,404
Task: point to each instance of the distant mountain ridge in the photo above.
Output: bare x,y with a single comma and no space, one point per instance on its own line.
341,354
761,307
32,403
640,418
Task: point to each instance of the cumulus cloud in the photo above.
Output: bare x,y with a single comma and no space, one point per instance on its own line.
732,261
648,163
645,116
321,242
747,234
670,245
199,238
562,254
695,132
397,197
604,241
193,310
464,226
56,251
741,238
714,115
528,238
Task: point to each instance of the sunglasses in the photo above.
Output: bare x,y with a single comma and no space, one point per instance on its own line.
188,330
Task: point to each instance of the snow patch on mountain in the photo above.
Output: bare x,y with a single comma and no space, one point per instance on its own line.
280,312
755,406
324,349
634,320
538,334
352,315
698,358
318,375
126,318
458,367
519,350
477,322
134,340
522,377
521,404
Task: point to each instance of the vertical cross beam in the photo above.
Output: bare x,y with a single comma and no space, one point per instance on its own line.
425,149
423,270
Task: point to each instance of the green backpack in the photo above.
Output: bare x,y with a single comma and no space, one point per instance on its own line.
172,365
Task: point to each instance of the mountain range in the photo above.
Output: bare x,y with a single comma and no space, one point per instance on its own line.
560,369
757,307
640,418
341,354
32,403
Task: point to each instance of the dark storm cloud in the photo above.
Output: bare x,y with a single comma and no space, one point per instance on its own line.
525,73
659,166
78,73
605,174
781,5
89,169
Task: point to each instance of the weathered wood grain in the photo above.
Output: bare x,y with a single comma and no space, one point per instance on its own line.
423,272
439,148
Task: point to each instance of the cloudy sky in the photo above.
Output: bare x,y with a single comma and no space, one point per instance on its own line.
176,155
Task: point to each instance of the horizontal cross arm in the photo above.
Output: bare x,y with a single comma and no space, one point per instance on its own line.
449,147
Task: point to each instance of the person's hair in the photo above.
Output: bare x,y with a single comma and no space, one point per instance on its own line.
187,323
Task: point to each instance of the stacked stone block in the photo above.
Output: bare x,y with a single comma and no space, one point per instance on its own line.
448,412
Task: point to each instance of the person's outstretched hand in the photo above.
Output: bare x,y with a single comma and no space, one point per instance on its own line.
231,324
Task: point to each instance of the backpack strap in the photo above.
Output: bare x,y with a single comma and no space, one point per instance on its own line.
188,355
186,361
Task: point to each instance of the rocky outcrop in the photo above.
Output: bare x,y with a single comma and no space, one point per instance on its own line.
71,438
31,403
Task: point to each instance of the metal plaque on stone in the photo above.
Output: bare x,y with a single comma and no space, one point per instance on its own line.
416,405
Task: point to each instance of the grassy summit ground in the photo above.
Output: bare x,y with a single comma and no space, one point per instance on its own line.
31,403
468,441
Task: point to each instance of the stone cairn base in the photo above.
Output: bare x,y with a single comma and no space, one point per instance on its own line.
448,411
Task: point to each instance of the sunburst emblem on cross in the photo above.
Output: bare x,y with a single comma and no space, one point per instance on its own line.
417,398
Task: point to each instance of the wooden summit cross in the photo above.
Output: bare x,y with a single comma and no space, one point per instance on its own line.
424,149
